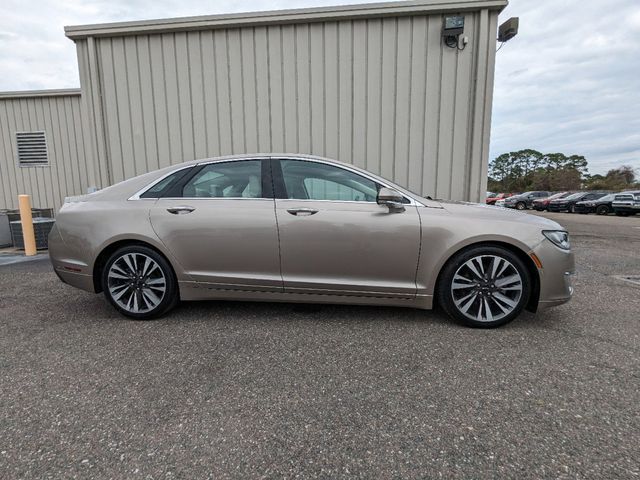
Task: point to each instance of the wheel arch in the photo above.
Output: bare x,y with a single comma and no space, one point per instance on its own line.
532,269
108,250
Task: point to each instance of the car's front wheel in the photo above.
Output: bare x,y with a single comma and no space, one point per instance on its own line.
602,210
521,206
484,286
139,282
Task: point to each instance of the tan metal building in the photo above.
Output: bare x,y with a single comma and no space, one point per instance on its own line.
373,84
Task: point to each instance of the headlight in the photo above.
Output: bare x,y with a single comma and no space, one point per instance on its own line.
559,238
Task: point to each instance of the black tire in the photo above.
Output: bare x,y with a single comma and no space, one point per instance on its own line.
444,290
571,209
521,206
170,296
602,210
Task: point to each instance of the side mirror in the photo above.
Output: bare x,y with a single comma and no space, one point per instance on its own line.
391,198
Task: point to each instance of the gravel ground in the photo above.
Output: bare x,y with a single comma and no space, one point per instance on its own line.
232,390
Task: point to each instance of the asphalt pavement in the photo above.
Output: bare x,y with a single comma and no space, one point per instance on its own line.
247,390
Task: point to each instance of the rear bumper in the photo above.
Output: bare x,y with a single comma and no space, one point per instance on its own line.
78,280
70,270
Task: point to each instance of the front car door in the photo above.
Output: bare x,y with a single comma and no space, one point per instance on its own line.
220,225
335,239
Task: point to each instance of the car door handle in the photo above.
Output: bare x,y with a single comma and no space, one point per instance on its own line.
301,212
180,210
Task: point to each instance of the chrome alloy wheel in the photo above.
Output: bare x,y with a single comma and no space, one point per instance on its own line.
486,288
136,282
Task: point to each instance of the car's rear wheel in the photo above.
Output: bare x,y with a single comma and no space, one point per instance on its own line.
139,282
521,206
484,287
602,210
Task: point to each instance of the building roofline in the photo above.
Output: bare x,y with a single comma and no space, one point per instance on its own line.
61,92
302,15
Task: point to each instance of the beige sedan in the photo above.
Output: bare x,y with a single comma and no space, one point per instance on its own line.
298,228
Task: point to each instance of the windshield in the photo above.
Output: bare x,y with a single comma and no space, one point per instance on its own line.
575,195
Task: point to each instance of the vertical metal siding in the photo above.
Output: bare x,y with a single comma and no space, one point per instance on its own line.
61,118
384,94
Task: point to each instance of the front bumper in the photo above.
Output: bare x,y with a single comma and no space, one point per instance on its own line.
556,274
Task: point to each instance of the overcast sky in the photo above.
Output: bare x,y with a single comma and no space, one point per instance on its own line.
569,82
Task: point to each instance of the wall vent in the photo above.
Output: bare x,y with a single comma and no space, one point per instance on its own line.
32,149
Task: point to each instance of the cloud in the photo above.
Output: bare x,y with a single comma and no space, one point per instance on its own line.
568,82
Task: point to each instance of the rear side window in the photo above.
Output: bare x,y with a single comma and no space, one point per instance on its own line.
237,179
164,185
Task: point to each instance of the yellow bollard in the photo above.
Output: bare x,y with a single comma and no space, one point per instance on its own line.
27,225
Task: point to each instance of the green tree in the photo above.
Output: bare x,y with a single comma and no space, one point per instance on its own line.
532,170
621,178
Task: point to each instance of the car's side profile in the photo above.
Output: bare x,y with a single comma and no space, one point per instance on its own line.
601,206
542,204
626,203
525,200
568,203
304,229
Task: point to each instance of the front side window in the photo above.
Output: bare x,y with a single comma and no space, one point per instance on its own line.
237,179
318,181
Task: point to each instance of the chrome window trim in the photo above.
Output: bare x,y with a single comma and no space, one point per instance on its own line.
304,158
332,201
215,198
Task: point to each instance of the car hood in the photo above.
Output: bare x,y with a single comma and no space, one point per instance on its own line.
489,213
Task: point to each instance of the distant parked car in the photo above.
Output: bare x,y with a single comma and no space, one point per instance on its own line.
626,203
524,200
490,194
542,204
568,204
499,196
601,206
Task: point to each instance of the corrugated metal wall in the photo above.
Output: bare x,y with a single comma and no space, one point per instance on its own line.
68,172
384,94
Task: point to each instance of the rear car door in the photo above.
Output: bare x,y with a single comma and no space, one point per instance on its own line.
335,239
220,225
